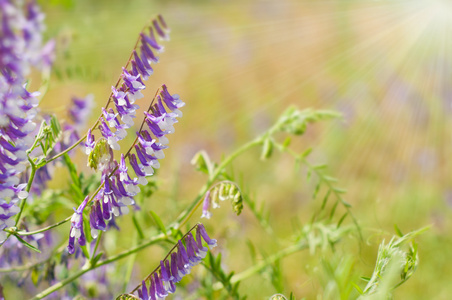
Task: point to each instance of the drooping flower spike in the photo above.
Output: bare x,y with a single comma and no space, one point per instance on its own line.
186,254
221,191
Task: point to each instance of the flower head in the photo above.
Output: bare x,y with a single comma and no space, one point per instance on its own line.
187,254
76,231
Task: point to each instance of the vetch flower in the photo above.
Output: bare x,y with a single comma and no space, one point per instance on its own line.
205,206
187,254
76,231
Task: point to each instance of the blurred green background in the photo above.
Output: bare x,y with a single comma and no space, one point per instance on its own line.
385,65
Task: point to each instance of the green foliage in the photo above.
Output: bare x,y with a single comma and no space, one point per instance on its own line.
48,136
295,121
202,163
396,263
26,244
214,266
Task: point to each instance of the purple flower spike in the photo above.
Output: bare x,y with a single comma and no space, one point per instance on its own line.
76,231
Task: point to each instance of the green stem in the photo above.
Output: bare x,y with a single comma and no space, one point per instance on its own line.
28,188
186,214
70,148
96,246
263,264
88,267
25,233
335,192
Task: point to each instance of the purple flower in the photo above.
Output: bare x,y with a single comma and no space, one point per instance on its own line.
179,264
76,231
20,49
89,143
80,110
205,206
202,232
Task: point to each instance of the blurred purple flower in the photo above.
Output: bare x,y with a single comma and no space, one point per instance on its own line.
20,49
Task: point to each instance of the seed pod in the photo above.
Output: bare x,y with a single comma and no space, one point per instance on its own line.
214,197
237,203
232,190
222,193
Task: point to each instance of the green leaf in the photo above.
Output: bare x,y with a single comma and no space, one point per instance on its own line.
342,219
360,291
158,221
306,152
96,258
27,244
202,162
286,142
398,231
138,227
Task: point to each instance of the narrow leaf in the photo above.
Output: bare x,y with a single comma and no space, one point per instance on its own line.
27,244
158,221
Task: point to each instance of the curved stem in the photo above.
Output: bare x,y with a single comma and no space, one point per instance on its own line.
71,147
25,233
28,188
186,214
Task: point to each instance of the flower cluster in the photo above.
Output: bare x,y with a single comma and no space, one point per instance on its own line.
119,186
20,49
162,283
76,231
78,112
115,122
